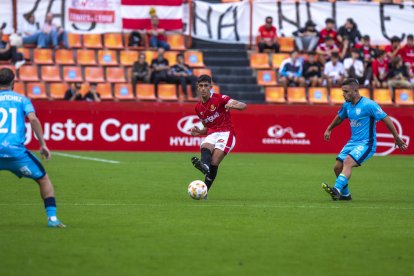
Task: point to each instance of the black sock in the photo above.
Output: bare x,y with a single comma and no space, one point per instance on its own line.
210,178
206,156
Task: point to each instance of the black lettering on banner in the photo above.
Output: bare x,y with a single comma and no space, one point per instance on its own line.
384,18
206,21
282,17
221,26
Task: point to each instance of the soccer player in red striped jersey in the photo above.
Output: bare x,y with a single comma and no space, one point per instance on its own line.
214,112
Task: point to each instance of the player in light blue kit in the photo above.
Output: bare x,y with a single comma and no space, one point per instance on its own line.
363,114
14,157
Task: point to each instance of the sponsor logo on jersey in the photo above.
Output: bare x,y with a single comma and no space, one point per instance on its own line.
212,107
358,111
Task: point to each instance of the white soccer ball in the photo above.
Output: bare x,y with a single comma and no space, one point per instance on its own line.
197,190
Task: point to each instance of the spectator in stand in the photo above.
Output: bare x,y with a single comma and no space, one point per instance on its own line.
345,51
354,68
8,52
32,33
267,38
312,70
329,31
156,35
398,75
73,93
92,95
407,54
140,70
394,49
55,35
367,54
159,68
350,30
180,73
290,71
334,71
380,71
326,49
307,38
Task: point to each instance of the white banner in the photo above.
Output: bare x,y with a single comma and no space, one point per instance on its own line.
97,16
378,21
6,15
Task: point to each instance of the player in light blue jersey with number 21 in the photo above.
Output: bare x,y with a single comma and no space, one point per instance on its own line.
363,114
14,156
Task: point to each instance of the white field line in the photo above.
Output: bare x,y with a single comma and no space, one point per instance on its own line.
201,205
85,158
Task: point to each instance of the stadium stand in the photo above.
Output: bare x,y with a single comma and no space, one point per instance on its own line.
318,95
296,95
275,94
57,90
36,91
124,91
167,92
404,97
145,91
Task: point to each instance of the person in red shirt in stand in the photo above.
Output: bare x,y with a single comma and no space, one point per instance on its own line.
407,54
156,35
367,55
326,49
268,37
380,71
394,49
214,113
328,31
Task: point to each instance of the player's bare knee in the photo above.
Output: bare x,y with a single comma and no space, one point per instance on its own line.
349,162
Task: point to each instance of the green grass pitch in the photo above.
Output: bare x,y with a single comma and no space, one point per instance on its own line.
265,215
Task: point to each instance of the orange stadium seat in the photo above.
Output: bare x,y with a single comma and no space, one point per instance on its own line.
167,92
113,41
28,73
5,37
277,59
216,89
50,73
107,57
94,74
105,90
275,94
336,95
64,57
72,74
127,58
27,53
149,56
145,91
176,41
18,87
42,56
318,95
57,90
75,40
296,95
36,90
194,58
287,44
202,71
382,96
259,61
404,97
92,41
115,74
171,56
123,91
86,57
365,92
266,77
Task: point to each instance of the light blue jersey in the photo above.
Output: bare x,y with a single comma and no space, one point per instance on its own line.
363,117
13,110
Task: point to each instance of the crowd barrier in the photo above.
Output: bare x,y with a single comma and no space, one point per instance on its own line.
131,126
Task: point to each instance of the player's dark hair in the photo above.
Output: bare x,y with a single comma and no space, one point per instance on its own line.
204,78
269,17
351,82
6,76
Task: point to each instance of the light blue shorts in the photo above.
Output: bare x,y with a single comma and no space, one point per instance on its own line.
359,152
26,165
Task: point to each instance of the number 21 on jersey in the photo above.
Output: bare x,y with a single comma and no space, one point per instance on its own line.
4,115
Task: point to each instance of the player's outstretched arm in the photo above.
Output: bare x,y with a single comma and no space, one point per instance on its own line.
233,104
37,128
336,122
398,141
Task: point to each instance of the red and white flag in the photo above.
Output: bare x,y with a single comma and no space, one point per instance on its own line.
136,14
